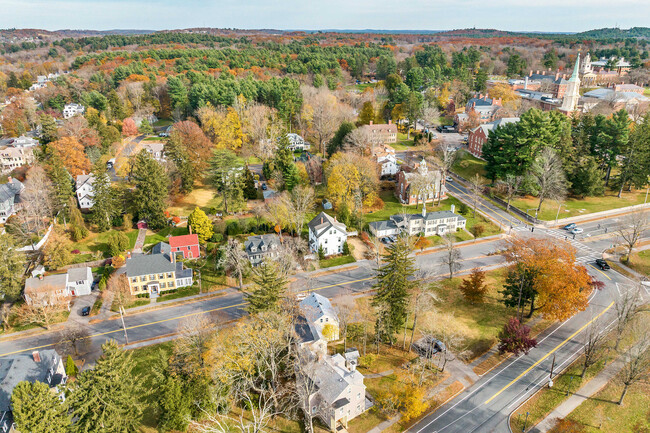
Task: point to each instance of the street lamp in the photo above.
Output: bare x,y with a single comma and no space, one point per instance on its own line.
558,211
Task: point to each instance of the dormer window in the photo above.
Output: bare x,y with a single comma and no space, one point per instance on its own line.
263,247
254,249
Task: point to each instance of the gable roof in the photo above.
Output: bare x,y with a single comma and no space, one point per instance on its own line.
161,248
10,190
259,241
183,241
316,306
332,379
46,284
323,222
21,367
79,274
148,264
84,179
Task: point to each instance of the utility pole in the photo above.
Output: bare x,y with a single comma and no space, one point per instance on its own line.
122,313
550,377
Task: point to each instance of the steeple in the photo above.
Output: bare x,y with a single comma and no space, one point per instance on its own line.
576,70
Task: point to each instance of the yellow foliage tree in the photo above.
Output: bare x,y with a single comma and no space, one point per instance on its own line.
222,126
351,179
330,332
413,404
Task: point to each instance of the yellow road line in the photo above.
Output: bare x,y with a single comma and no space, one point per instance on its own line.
549,354
606,276
176,318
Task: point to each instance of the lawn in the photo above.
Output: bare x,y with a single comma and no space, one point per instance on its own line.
575,206
180,293
403,143
336,261
646,92
640,262
163,122
162,235
201,196
98,242
602,413
154,138
467,165
136,302
393,207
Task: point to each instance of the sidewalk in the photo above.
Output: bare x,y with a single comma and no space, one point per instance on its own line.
584,393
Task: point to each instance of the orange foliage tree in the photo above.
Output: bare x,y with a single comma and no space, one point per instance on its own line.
129,128
549,271
71,152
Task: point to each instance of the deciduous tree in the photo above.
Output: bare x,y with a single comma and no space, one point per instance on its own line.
71,153
474,287
12,268
200,224
515,338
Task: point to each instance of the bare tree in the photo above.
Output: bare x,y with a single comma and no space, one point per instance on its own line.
347,313
631,230
119,285
301,204
277,211
451,257
36,199
75,337
423,299
258,413
593,348
5,314
476,189
636,366
446,156
305,366
42,309
510,187
195,333
549,177
363,141
235,259
627,306
322,113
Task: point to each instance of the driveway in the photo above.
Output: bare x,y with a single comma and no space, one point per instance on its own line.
78,304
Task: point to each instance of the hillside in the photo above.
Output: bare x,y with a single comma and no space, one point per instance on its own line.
616,33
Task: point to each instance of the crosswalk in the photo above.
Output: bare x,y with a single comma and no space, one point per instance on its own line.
585,253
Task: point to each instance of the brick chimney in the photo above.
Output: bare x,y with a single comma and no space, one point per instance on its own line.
390,122
9,179
36,355
557,75
537,72
371,122
531,73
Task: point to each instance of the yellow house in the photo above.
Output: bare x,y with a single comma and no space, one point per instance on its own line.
156,272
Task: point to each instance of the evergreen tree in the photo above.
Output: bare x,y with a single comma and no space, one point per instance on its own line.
612,140
176,152
284,162
150,195
61,183
70,367
105,200
366,115
225,176
520,280
37,409
49,131
480,81
118,242
200,224
12,268
336,143
635,158
175,405
107,398
393,286
268,288
587,178
250,192
145,127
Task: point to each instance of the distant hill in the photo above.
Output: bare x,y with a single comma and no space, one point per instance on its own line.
616,33
68,33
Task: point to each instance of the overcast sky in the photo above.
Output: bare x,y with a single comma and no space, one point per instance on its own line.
526,15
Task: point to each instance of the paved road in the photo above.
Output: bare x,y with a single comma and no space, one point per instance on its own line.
161,322
485,406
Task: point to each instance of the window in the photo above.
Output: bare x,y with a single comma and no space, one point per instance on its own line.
163,285
327,319
321,320
144,278
189,248
169,275
134,279
161,276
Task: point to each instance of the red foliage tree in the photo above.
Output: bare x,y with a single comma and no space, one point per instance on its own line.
129,128
515,338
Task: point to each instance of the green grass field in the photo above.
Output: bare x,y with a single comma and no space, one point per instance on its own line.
163,122
575,207
98,242
336,261
467,165
640,262
161,236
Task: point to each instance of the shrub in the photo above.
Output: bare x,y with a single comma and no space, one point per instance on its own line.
71,368
233,228
346,248
216,238
75,251
463,209
367,360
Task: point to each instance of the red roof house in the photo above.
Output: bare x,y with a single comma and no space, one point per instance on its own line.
187,244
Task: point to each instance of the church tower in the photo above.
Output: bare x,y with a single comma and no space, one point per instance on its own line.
572,94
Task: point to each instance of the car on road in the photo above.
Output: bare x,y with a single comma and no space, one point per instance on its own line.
85,311
449,179
570,226
576,231
301,296
602,264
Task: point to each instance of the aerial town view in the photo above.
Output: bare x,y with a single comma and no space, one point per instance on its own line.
346,217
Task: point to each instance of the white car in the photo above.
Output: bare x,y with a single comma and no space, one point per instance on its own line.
449,179
577,230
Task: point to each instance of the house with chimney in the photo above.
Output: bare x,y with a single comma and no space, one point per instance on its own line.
427,223
45,366
327,233
336,391
15,157
383,133
386,160
58,289
478,136
484,107
261,247
319,312
186,245
158,272
416,183
296,142
10,198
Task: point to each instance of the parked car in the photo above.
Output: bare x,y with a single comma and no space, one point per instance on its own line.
392,238
163,134
428,346
577,230
264,187
449,179
570,226
85,311
602,264
385,241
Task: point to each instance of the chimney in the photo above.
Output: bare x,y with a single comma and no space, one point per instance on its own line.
564,76
189,227
321,220
557,75
531,73
537,72
370,123
9,179
390,122
172,255
453,208
36,355
526,83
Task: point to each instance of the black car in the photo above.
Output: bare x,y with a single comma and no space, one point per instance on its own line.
264,187
602,264
85,311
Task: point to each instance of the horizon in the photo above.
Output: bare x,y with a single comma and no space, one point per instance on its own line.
554,16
